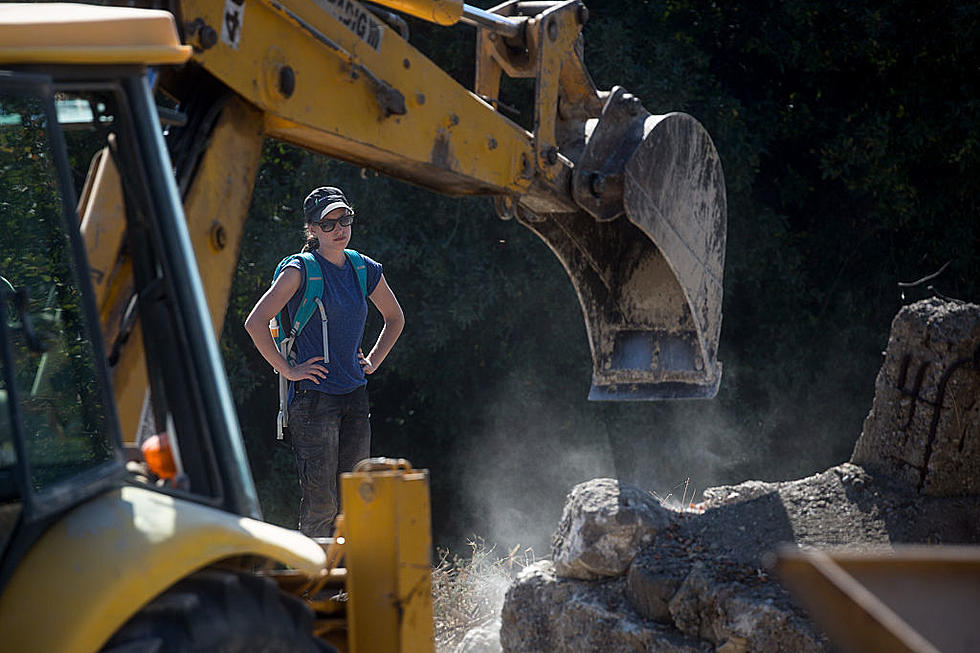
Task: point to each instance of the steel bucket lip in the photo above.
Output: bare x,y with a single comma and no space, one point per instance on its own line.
663,391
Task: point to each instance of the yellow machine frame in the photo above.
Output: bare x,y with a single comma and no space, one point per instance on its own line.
389,557
105,559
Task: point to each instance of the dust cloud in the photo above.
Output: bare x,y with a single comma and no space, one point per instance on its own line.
535,447
532,452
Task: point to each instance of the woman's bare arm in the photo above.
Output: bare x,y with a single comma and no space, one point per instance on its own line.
257,325
384,299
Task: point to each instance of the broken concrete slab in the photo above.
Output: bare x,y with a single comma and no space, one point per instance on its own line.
924,424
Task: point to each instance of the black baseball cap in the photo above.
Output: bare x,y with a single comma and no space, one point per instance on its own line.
322,201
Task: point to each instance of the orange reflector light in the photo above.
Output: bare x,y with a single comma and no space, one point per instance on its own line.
157,454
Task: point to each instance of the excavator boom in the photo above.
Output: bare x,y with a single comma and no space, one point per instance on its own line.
632,203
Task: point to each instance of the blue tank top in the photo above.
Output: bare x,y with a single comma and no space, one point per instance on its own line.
346,315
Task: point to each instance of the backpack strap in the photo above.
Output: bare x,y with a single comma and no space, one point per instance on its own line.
359,267
313,278
313,290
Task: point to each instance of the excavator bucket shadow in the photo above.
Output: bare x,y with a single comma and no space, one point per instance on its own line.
650,278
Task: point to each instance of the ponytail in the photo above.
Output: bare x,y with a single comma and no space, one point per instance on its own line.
312,242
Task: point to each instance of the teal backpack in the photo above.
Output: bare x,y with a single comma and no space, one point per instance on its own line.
310,302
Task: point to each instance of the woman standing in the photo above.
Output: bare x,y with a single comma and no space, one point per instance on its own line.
328,414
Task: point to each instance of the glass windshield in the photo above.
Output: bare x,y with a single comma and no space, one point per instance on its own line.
52,362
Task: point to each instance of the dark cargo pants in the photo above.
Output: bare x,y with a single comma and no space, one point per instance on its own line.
329,434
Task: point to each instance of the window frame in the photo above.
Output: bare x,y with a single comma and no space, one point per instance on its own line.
64,493
214,435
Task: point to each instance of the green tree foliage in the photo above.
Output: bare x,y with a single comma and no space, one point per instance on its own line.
848,135
54,372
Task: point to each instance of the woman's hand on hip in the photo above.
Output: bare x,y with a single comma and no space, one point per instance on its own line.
311,370
365,362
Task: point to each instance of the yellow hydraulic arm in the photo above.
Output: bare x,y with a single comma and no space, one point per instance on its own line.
633,204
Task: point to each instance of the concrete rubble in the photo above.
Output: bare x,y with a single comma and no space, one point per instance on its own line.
483,639
628,574
924,424
601,528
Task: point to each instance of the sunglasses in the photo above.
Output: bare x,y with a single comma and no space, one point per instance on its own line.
327,225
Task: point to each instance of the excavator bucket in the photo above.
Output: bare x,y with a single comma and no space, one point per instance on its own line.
646,253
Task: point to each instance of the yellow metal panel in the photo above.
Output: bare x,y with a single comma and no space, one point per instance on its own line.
129,384
96,567
369,509
852,615
447,137
85,34
415,563
555,33
217,204
912,598
388,557
103,223
441,12
103,229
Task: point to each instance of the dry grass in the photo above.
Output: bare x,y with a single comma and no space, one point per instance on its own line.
468,593
684,503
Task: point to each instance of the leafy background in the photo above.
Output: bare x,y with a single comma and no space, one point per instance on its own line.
56,380
848,132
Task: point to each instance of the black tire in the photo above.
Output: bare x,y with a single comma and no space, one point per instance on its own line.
224,611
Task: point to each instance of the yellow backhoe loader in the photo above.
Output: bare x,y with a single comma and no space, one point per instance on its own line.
129,144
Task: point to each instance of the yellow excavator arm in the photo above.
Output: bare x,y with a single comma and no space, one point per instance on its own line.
633,204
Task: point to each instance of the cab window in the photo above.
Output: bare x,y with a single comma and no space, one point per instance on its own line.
50,388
